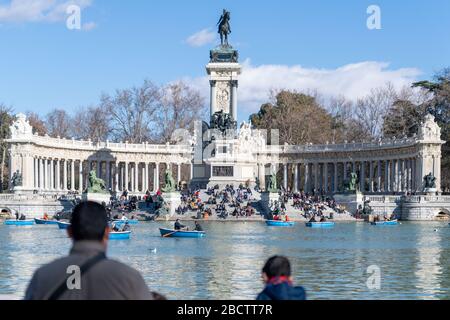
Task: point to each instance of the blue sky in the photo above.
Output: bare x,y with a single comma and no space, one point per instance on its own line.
321,45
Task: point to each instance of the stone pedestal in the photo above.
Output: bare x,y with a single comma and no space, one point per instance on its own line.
431,191
267,198
96,197
173,200
350,201
22,191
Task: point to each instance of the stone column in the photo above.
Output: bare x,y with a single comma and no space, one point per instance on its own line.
295,177
213,101
108,174
344,171
379,188
72,175
41,174
156,177
46,182
335,181
306,177
51,175
234,87
413,175
99,169
316,176
80,178
65,175
126,181
285,176
178,173
363,176
136,177
371,174
116,176
386,176
58,174
36,173
325,177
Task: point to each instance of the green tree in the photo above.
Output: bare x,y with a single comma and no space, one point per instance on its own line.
299,118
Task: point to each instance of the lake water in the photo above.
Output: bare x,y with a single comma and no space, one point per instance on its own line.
331,264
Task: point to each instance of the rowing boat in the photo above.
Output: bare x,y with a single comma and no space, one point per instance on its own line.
63,225
125,235
19,223
167,233
320,224
278,223
385,223
46,222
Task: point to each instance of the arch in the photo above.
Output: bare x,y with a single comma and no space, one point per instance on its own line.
443,214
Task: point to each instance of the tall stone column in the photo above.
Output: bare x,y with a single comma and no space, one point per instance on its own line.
136,177
234,90
36,172
126,184
58,174
80,178
335,180
285,176
325,177
296,177
41,174
156,177
413,175
386,176
345,176
46,174
316,176
213,101
65,175
379,187
72,175
108,174
116,176
362,181
307,177
52,174
178,173
371,174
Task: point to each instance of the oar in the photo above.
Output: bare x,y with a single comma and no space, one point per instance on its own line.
169,234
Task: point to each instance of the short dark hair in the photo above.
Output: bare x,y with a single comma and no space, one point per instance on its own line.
89,221
277,266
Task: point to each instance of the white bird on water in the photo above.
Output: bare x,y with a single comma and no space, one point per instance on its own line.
153,250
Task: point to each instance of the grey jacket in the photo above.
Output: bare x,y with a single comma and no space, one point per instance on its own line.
107,280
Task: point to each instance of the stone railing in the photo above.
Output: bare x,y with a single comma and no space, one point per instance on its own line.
34,197
383,198
386,144
119,147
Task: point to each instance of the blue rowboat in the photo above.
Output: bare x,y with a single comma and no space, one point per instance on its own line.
19,223
120,235
278,223
168,233
320,224
63,225
47,222
385,223
130,222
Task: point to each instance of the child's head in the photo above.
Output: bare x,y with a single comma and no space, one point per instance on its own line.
275,267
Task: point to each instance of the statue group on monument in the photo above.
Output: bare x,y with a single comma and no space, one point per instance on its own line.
430,181
97,185
222,121
350,184
16,179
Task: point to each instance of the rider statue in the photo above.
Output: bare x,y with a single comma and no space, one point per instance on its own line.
170,182
224,28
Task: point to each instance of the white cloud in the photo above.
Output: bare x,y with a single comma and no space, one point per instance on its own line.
21,11
201,38
351,81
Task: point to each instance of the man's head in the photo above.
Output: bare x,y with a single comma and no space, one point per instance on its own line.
89,223
276,266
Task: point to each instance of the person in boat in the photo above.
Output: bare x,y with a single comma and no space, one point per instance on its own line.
46,217
23,217
198,227
114,227
313,219
178,226
323,219
126,227
277,278
17,215
101,277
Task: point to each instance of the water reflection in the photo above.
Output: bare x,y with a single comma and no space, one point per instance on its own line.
330,264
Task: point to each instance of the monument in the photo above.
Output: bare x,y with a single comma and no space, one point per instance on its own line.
97,190
170,195
270,196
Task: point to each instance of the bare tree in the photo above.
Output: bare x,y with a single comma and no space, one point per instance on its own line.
37,123
58,123
91,123
132,111
371,109
180,106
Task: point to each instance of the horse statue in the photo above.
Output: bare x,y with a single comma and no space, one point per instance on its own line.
97,184
224,27
170,182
